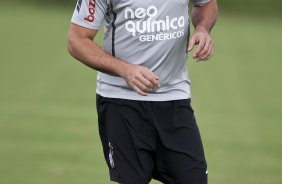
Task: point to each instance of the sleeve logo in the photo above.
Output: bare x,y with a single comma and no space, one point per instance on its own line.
91,11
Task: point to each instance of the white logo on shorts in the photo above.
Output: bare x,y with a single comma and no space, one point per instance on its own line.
111,154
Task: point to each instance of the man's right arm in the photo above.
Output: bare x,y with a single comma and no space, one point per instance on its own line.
82,47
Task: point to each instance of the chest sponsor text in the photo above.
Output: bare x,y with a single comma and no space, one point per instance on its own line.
142,22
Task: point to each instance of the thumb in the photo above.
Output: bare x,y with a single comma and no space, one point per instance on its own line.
192,43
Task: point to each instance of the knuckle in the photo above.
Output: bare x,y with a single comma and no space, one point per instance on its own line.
204,58
210,52
205,51
138,76
151,79
147,83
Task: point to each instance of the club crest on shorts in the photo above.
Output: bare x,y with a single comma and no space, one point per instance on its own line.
111,154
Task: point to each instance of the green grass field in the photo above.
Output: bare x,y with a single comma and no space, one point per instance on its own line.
48,121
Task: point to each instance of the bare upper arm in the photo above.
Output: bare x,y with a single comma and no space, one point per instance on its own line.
77,36
79,32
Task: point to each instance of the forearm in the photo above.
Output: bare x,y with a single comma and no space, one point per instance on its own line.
81,46
204,17
92,55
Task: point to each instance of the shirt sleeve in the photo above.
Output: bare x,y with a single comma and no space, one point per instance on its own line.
200,2
89,13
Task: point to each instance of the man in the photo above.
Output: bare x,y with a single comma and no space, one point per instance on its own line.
146,124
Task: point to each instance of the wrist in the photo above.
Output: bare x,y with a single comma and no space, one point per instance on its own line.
122,69
202,27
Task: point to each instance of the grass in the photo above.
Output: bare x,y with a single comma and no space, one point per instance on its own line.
48,121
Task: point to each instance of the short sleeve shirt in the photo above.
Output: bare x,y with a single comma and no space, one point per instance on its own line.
151,33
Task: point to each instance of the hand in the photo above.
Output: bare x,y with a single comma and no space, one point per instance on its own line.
202,38
140,79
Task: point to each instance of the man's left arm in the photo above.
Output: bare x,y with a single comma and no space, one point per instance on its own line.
203,18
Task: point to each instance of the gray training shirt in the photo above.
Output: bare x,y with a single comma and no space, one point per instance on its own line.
151,33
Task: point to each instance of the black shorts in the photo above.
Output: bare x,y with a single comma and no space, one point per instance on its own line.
144,140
